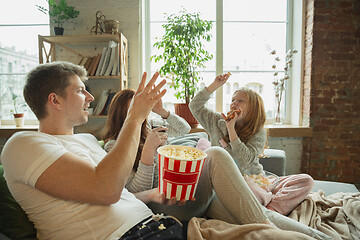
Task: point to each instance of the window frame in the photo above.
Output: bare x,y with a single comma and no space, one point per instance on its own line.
8,72
295,32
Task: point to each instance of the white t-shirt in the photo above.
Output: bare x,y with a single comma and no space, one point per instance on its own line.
26,155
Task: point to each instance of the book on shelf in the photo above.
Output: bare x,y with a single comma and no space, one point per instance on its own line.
101,62
87,64
106,61
94,65
116,66
107,104
102,101
83,61
107,58
91,65
111,62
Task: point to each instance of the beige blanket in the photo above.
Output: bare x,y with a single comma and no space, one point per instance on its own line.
337,215
200,228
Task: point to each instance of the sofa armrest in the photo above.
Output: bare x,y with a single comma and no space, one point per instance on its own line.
4,237
274,161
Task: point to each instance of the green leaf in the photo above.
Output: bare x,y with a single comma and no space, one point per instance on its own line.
183,51
60,12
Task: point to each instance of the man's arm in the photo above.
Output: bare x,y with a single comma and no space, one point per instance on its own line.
73,178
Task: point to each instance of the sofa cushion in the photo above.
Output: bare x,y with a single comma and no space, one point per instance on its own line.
14,222
329,187
189,140
274,161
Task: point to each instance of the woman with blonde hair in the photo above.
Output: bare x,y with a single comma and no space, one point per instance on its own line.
242,134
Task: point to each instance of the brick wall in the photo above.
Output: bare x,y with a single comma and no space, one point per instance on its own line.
331,90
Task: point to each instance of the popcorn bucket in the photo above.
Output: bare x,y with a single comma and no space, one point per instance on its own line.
179,170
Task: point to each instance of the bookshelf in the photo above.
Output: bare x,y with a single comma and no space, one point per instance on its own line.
75,48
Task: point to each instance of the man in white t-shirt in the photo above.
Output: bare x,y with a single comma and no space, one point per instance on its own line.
67,184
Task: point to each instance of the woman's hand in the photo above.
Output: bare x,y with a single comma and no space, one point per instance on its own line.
230,124
155,138
218,82
145,98
159,109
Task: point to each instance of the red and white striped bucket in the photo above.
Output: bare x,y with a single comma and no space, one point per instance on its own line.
179,176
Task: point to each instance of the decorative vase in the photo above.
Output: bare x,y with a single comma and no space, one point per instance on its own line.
58,30
19,119
277,110
183,110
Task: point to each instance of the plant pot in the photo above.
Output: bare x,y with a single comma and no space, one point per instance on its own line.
19,119
183,110
58,30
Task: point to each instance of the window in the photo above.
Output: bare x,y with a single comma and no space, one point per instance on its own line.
19,32
244,34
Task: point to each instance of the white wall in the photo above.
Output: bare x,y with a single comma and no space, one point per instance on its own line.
293,149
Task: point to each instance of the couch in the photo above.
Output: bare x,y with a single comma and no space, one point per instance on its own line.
275,161
14,223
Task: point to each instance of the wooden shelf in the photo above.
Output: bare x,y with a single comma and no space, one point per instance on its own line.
278,131
82,39
288,131
74,47
72,43
7,131
99,116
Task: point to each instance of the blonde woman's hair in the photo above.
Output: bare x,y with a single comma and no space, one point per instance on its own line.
255,119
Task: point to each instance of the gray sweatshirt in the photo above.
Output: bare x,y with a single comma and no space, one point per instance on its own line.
246,156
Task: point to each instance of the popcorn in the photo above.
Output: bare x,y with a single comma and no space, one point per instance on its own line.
267,182
260,179
182,153
162,227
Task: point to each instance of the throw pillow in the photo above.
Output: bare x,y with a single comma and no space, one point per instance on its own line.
203,144
189,140
14,222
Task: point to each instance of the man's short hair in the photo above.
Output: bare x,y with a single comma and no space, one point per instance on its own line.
49,78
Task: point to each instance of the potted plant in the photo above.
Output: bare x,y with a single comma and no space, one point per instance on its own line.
183,55
60,12
18,114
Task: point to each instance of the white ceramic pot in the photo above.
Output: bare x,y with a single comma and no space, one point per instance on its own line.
19,119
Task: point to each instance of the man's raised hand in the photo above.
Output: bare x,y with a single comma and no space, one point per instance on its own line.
146,96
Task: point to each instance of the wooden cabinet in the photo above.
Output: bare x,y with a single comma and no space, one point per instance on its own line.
74,48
